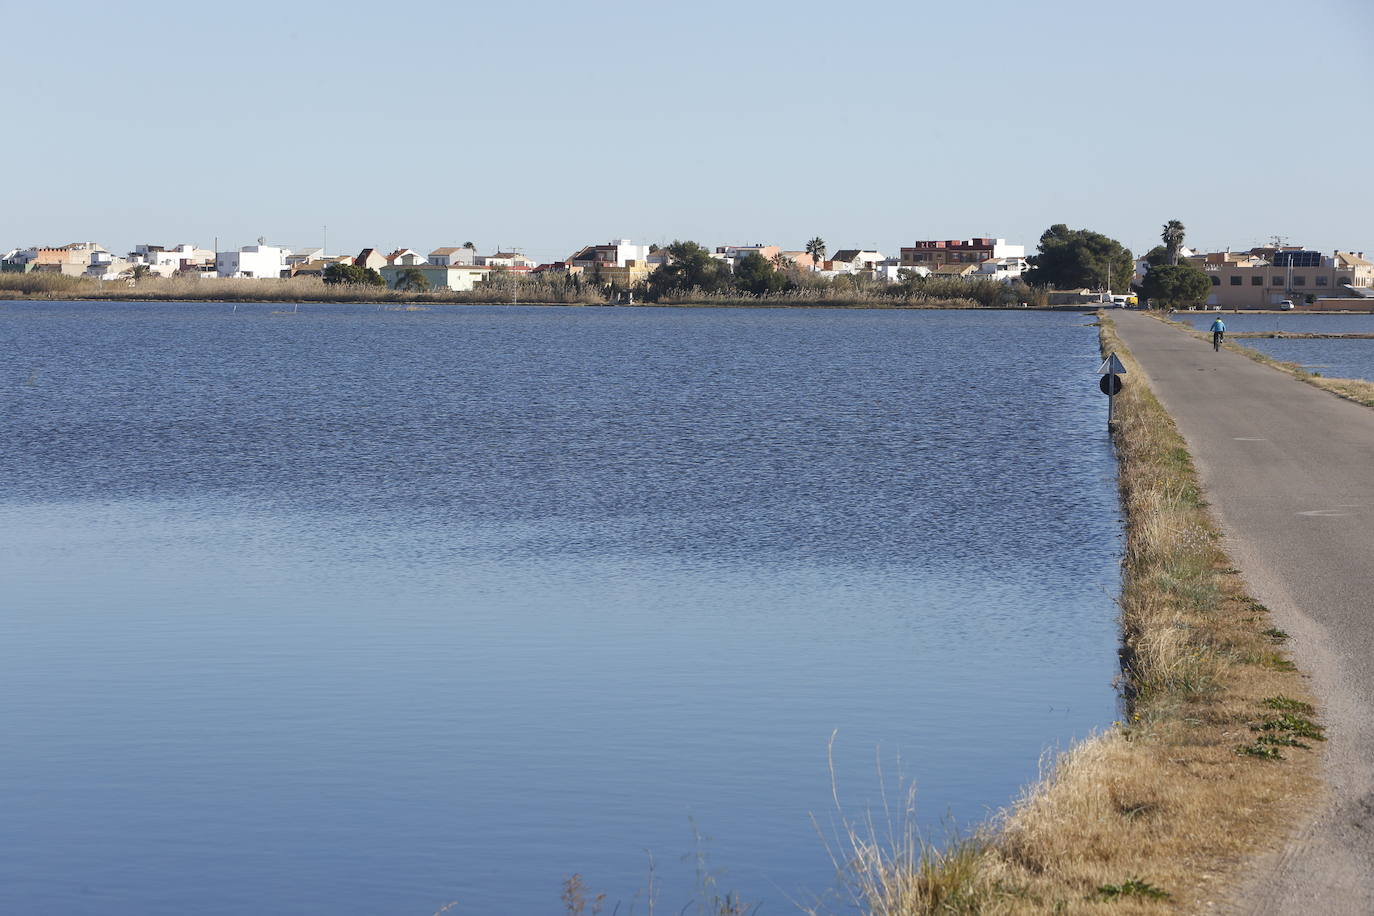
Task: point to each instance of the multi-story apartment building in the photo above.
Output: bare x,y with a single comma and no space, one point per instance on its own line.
935,254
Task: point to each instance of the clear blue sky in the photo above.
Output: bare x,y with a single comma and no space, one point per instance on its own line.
548,125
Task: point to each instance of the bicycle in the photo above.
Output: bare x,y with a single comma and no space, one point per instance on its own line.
1216,340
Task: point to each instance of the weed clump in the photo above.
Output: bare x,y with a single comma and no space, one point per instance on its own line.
1132,887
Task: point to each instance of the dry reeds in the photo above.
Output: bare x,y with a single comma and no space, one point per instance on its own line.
555,290
502,287
1157,814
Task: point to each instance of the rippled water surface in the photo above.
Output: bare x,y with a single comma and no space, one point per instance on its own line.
1332,357
361,612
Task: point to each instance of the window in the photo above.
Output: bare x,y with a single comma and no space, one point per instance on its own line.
1276,280
1216,281
1235,281
1322,281
1299,279
1257,280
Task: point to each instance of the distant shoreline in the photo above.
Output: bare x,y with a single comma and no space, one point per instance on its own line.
359,296
393,300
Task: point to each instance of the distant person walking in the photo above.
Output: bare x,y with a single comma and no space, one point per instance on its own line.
1218,332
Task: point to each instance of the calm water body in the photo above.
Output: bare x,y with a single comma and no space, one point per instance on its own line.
1332,358
363,612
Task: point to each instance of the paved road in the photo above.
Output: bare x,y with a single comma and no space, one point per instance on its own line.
1289,471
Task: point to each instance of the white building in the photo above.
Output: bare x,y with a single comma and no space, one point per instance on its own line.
406,257
855,260
891,270
257,262
452,256
105,266
168,261
1004,269
459,277
508,259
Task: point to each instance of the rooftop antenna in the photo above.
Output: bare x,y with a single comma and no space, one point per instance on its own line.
1279,241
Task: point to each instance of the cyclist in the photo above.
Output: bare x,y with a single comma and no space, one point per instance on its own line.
1218,332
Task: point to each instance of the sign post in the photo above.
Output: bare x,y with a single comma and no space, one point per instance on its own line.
1111,371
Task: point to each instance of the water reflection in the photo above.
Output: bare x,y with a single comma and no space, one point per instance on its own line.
362,611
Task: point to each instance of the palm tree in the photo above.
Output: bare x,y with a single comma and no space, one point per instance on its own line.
816,248
470,246
1172,237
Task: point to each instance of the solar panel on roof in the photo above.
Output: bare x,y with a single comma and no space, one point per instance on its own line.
1298,259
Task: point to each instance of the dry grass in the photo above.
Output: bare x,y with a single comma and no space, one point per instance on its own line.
1358,390
536,290
1158,814
503,288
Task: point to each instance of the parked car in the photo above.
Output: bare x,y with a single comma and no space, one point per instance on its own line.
1286,305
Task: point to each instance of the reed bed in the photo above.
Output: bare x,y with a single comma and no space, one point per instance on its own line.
857,291
1215,758
532,290
550,289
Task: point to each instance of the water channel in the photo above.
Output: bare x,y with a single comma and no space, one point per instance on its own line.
360,611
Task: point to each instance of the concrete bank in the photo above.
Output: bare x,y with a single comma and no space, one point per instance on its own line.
1289,472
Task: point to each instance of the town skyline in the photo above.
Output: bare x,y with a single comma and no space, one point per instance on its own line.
545,128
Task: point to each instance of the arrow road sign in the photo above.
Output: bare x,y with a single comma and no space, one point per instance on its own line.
1111,366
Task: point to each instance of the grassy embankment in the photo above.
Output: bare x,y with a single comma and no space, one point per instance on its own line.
1215,761
1358,390
536,290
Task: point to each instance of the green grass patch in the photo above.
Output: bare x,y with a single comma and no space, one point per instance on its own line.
1132,887
1291,723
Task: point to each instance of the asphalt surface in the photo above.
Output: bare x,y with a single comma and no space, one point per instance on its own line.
1289,472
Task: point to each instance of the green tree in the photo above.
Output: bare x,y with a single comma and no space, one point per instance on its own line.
1157,256
351,275
816,248
1172,237
411,280
690,266
754,274
469,246
1073,258
141,271
1177,286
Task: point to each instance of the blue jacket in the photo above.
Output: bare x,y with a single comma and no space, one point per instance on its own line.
1218,326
